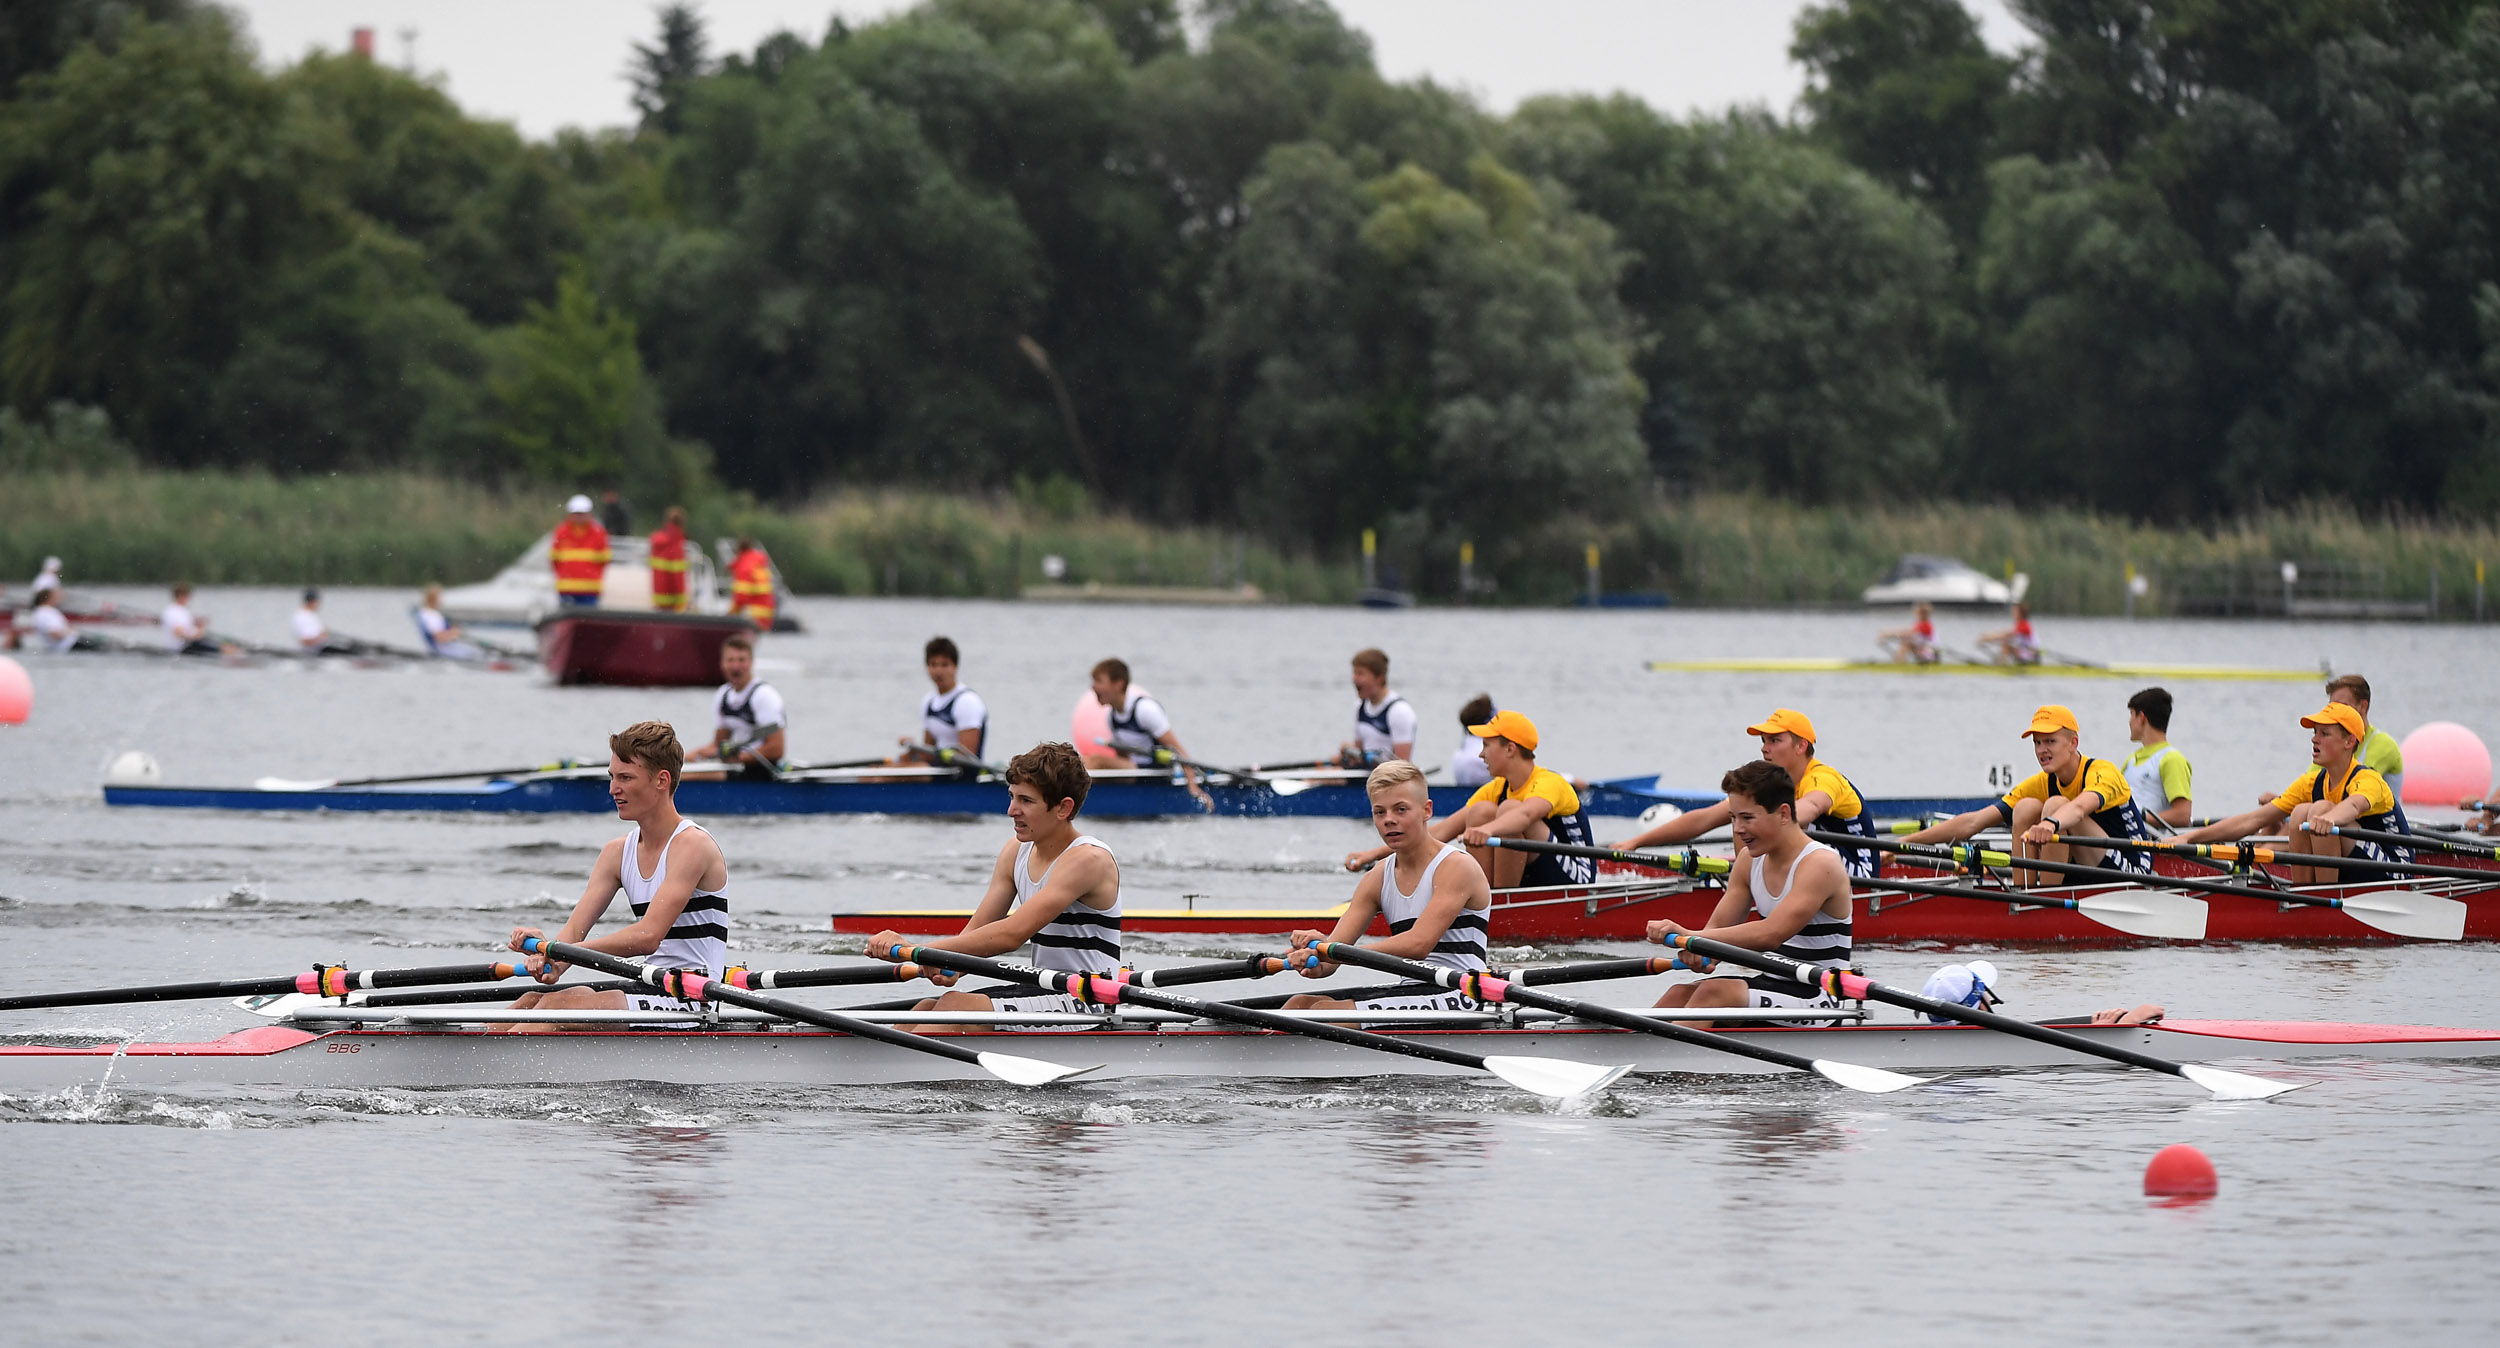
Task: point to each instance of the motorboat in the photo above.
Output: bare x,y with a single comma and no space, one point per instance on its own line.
1922,578
524,593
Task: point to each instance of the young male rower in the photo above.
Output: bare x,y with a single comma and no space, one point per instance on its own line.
2336,790
1139,726
1384,723
185,633
1825,799
2379,751
2070,794
749,724
48,628
672,873
2158,774
1521,801
1916,643
312,635
1467,761
1052,887
952,716
1437,915
443,636
1786,893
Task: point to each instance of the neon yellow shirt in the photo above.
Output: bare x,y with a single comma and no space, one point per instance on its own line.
1543,783
2098,775
1821,776
2176,775
2358,781
2381,754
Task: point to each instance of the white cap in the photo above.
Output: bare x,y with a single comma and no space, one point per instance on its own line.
579,505
51,563
1972,985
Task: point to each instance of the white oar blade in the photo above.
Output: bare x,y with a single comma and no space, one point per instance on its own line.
1872,1079
290,784
280,1006
1287,786
2424,917
1553,1077
2146,912
1009,1068
2236,1085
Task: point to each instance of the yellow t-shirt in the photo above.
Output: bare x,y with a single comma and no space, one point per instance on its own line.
1821,776
1543,783
2098,775
2360,781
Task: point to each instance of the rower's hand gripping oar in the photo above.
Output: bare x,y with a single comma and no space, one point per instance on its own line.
1486,987
693,986
324,980
1551,1077
2425,917
1843,983
2137,912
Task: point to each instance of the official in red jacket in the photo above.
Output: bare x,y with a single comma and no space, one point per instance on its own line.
668,563
580,556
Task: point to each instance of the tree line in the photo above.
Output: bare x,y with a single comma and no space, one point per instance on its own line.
2172,259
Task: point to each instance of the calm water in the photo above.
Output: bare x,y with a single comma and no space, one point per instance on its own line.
2000,1209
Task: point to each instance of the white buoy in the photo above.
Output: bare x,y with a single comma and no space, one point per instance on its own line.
1659,813
133,769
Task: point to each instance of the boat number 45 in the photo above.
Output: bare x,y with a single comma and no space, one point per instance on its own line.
2002,777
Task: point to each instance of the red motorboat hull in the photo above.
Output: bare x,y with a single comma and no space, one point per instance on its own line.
636,650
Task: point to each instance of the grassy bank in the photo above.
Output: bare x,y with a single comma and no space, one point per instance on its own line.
396,529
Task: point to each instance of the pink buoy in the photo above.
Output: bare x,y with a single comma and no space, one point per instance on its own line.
1089,725
2445,763
17,692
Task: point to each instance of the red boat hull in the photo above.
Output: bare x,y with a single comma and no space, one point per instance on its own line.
1622,912
636,650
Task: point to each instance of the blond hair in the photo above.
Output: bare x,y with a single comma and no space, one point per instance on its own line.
1395,772
652,744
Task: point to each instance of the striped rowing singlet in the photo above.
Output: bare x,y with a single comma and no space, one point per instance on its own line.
1825,939
1081,940
699,938
1462,947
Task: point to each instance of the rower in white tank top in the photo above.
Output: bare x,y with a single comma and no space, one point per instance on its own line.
1825,939
1463,945
1082,939
699,938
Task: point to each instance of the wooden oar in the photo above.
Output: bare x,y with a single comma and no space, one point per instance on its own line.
1490,988
324,980
2268,856
326,783
1551,1077
692,986
2420,916
2434,843
2137,912
1843,983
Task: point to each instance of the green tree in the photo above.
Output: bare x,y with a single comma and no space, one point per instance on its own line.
568,387
662,73
1906,90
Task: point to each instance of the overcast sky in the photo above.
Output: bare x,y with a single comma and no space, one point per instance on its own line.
545,64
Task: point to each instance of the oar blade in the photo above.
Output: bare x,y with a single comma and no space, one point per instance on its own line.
1554,1078
1017,1071
291,784
2149,913
2236,1085
1287,786
1873,1080
2424,917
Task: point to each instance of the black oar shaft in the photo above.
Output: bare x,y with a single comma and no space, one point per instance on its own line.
2436,844
1687,862
1843,983
2275,856
1492,989
695,987
2098,874
321,980
1108,990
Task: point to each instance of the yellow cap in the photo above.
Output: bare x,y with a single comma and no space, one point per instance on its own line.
1787,719
2347,719
1511,726
2051,719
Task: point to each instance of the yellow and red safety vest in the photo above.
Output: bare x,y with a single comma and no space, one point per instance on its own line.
751,587
580,556
668,568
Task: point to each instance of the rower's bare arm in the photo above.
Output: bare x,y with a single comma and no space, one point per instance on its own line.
1958,827
1078,873
969,739
2260,820
2177,813
771,748
1683,828
1357,919
606,877
1810,807
1735,902
998,897
1402,749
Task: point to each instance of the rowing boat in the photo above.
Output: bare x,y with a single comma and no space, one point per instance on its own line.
1812,665
1116,794
352,1047
1621,909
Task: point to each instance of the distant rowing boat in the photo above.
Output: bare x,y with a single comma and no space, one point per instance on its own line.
330,1046
1136,794
1813,665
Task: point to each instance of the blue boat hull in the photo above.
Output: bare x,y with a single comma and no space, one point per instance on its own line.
1108,800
